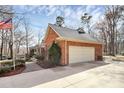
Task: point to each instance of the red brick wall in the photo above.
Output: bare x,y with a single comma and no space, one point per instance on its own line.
51,36
65,50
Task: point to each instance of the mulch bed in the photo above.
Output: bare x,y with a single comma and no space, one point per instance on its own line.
17,70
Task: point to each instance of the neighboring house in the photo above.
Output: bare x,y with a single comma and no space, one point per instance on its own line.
75,46
37,49
33,49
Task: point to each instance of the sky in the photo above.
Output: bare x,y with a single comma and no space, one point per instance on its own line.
40,16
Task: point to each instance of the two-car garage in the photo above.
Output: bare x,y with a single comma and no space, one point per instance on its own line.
81,54
75,46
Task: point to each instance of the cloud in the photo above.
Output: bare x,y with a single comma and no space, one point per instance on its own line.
89,8
67,12
97,14
58,13
43,14
50,10
72,13
73,20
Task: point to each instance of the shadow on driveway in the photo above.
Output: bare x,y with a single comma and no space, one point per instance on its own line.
32,66
35,75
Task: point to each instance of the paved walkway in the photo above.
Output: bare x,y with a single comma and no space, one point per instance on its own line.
109,76
32,66
34,75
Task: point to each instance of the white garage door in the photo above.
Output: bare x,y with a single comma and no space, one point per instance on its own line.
81,54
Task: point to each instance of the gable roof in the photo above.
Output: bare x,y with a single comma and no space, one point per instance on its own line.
71,34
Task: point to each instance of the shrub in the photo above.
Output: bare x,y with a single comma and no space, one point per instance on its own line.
7,65
100,58
54,54
39,57
5,69
20,62
122,54
31,54
27,57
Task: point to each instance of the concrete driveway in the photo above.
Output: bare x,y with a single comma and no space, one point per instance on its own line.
34,75
108,76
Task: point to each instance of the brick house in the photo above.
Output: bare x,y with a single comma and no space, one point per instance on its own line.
75,47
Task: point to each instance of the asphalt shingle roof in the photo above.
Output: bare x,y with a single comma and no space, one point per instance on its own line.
72,34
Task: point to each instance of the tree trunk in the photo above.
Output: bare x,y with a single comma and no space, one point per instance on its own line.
1,46
18,48
11,45
27,42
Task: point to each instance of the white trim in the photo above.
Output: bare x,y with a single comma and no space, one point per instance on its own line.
48,31
65,52
55,31
46,34
76,40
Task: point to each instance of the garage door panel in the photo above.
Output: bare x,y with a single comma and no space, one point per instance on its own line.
81,54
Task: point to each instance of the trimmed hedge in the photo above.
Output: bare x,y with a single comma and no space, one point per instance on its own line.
39,57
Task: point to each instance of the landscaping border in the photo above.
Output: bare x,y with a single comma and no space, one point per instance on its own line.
18,70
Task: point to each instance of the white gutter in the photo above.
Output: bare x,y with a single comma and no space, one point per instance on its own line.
76,40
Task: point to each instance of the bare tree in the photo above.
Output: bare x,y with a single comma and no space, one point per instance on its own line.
23,36
5,12
59,21
1,49
112,16
109,29
28,34
103,34
85,19
20,40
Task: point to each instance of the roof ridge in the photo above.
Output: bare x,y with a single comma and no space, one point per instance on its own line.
71,33
62,26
